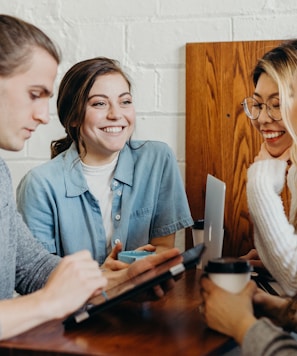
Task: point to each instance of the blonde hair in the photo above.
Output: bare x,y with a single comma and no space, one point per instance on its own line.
284,77
280,64
284,72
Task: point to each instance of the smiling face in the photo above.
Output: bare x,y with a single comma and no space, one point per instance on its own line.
24,100
109,120
276,137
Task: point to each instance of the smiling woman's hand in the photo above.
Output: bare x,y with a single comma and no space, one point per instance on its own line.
145,264
254,259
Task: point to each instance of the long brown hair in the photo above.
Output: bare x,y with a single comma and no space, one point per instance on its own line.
73,97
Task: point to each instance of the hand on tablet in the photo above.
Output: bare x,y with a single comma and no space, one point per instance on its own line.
156,293
143,280
75,279
151,261
145,264
114,264
148,263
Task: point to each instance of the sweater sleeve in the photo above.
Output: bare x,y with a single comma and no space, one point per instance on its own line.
265,339
274,236
24,264
34,262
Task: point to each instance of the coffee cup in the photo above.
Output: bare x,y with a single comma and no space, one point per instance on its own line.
231,274
198,232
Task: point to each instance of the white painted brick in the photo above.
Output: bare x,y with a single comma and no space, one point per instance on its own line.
99,10
265,27
285,6
169,129
163,43
192,8
92,40
144,89
19,168
39,144
172,90
36,11
9,155
148,37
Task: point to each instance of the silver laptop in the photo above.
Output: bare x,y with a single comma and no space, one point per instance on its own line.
214,218
214,231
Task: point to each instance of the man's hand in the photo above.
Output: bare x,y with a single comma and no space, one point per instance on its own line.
76,279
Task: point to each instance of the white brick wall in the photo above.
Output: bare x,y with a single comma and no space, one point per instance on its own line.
148,37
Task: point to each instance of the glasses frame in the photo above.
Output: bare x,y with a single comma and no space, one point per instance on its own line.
248,114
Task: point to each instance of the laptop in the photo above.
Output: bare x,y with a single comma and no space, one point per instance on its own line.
213,218
267,283
214,233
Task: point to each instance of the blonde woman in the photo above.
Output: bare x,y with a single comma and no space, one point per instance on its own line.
233,314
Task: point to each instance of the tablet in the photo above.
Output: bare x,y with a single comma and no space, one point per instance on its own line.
128,289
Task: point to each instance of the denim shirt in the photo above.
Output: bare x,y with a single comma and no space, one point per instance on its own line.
149,201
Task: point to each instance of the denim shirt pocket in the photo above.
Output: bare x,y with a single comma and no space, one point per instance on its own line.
139,227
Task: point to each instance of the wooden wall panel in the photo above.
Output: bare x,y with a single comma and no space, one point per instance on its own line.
219,137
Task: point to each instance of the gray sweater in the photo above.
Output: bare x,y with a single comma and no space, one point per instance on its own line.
265,339
24,264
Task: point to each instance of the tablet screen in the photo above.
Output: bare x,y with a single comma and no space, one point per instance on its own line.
135,285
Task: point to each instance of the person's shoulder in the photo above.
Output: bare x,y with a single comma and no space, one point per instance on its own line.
4,171
3,165
159,145
47,169
149,146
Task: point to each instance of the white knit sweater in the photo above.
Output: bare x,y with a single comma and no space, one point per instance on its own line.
274,236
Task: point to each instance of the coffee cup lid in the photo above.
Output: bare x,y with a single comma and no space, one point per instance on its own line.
228,265
198,224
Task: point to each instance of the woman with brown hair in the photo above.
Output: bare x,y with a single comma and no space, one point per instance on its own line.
103,191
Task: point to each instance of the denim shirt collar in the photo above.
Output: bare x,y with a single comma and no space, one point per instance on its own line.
125,168
75,182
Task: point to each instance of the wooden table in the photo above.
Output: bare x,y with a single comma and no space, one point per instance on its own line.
168,327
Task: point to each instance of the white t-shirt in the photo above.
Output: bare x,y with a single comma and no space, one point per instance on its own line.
99,180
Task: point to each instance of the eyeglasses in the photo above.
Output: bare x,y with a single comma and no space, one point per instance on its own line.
253,108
